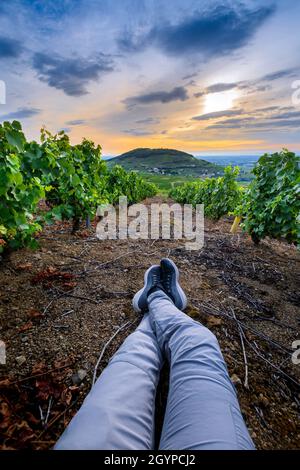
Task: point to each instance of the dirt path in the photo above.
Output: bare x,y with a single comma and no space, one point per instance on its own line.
60,304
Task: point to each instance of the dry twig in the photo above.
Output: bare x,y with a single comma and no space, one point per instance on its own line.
105,347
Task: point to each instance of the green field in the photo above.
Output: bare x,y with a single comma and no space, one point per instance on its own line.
165,183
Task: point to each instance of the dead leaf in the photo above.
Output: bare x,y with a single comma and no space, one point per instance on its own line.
4,383
24,266
32,313
45,389
69,285
32,419
49,275
214,321
66,396
26,327
22,430
39,368
83,234
6,414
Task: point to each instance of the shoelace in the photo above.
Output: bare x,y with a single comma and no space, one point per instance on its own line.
168,282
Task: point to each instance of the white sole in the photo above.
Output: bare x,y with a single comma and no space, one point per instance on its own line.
136,298
178,287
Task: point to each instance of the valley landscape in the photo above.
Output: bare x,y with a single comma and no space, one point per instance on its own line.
167,104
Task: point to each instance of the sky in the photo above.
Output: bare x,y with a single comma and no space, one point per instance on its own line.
202,76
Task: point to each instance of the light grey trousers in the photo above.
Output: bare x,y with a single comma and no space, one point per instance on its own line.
202,408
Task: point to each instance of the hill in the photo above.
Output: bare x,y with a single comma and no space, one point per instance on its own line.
165,162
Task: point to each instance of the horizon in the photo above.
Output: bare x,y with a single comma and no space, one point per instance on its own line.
216,77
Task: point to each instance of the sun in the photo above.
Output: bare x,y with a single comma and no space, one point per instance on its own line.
220,101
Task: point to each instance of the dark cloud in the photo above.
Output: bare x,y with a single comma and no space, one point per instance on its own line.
10,48
267,109
250,121
177,94
280,123
279,74
288,115
137,132
190,76
149,120
21,113
218,114
199,94
75,122
71,75
212,33
287,108
218,87
232,123
253,123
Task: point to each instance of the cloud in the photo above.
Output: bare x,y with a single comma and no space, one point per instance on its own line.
71,75
137,132
280,123
267,109
190,76
253,123
288,115
149,120
232,123
199,94
279,74
76,122
10,48
21,113
212,33
177,94
260,88
218,114
253,120
218,87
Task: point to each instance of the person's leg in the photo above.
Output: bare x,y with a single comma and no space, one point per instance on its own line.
118,413
202,409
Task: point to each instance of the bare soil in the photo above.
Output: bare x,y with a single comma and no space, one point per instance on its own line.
60,305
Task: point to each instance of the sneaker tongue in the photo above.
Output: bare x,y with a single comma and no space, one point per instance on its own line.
158,287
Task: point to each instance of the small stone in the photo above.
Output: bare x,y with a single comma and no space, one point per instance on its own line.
24,339
236,380
82,374
79,376
253,435
20,360
263,400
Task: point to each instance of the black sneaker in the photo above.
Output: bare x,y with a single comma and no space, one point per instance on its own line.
151,278
170,282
